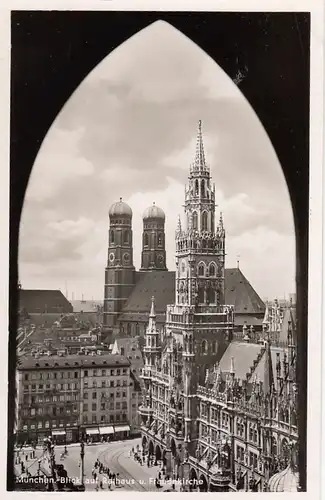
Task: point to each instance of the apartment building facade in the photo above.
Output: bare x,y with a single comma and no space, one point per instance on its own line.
74,397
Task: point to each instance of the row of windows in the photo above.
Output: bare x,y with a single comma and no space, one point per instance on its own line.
32,412
50,398
104,406
69,387
105,418
210,269
125,239
67,374
159,241
46,424
103,395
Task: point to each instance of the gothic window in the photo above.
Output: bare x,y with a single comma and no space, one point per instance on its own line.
129,328
204,222
212,269
204,244
201,270
212,222
126,237
112,236
211,296
137,330
204,347
146,240
201,295
214,347
196,187
194,216
202,188
160,240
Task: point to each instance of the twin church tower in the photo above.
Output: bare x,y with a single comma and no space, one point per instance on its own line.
200,247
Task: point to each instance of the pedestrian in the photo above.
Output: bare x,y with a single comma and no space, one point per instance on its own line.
26,458
95,476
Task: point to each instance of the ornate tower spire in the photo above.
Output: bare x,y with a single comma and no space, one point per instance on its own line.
199,164
152,347
268,370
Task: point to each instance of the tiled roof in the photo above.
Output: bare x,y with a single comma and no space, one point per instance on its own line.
38,301
289,315
249,319
244,354
161,285
73,361
259,370
240,293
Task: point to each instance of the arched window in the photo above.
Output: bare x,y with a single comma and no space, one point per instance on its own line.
112,236
129,328
212,269
160,240
204,347
212,222
146,240
202,188
137,330
126,237
196,187
214,347
194,218
204,222
201,295
201,270
211,296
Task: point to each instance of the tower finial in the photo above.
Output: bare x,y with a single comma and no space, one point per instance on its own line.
199,162
152,311
179,225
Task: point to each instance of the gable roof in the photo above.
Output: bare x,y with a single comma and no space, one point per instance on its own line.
40,301
161,284
244,354
240,293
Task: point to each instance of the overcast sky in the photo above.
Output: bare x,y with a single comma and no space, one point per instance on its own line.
129,131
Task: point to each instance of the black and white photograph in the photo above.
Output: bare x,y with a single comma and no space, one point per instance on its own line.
159,284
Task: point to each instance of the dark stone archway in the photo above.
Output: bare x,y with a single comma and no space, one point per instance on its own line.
158,453
203,483
151,448
193,480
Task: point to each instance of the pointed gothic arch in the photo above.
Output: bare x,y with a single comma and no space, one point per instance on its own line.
203,188
196,187
146,240
204,221
195,220
201,269
212,269
201,298
112,236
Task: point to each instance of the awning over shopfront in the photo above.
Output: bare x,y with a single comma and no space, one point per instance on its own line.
122,428
92,431
106,430
58,433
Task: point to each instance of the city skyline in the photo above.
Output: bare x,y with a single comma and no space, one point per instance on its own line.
129,131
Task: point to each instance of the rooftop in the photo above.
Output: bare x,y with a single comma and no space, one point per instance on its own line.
72,361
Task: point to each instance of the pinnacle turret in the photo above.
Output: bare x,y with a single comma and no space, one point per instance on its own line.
199,164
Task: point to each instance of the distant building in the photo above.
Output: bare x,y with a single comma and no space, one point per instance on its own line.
130,348
44,302
72,396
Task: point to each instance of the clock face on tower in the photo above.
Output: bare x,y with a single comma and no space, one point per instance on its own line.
111,257
160,259
126,258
